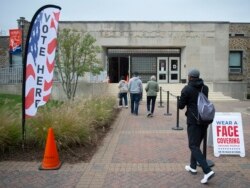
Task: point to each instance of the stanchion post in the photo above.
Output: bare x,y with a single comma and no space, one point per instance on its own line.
177,117
167,113
160,98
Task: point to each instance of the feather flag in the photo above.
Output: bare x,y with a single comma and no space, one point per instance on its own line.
39,58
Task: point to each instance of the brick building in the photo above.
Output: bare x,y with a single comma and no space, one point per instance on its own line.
239,47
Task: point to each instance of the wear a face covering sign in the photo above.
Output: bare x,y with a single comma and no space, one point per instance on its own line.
228,134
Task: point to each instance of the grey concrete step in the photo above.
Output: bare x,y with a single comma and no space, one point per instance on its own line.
174,91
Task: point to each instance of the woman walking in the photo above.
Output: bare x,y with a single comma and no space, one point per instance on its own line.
123,90
151,88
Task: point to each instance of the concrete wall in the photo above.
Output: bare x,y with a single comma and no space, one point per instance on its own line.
236,90
11,89
204,44
84,89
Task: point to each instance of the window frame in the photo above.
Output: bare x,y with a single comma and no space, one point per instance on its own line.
235,69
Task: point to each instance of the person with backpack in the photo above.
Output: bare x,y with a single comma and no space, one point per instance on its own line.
196,128
123,90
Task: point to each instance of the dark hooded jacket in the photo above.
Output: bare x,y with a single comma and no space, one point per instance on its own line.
189,97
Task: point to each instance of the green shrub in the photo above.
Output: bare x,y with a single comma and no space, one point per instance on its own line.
68,125
101,110
10,129
74,123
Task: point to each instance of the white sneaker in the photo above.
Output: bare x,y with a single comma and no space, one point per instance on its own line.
191,170
207,177
126,106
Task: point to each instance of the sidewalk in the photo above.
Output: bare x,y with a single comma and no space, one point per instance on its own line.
140,152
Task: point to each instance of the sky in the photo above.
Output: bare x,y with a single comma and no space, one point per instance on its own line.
128,10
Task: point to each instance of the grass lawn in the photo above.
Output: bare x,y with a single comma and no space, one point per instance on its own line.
9,100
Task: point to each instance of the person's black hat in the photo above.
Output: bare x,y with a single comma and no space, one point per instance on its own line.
194,73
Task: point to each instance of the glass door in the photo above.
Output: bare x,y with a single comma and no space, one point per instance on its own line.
174,64
162,69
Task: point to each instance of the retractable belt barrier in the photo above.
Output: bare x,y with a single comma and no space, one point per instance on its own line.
167,112
161,106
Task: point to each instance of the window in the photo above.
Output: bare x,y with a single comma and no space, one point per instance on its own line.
235,62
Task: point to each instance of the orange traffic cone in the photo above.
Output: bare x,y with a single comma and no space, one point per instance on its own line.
51,159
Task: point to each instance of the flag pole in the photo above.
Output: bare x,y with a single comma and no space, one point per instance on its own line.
21,22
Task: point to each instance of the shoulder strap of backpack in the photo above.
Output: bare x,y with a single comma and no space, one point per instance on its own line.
201,89
198,116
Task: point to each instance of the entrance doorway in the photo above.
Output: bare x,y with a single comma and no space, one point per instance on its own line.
168,69
118,66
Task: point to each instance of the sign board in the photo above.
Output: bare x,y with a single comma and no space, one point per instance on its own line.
228,134
15,40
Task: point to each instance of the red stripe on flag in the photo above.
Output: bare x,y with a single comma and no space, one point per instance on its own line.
46,98
52,46
50,66
29,99
57,16
47,85
30,71
52,24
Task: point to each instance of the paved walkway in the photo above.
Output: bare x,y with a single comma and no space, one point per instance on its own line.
140,152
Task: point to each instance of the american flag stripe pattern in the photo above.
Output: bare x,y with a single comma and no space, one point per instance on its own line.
41,59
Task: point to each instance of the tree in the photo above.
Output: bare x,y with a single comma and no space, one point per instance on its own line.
77,54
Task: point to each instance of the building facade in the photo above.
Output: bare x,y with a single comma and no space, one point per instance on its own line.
165,49
220,50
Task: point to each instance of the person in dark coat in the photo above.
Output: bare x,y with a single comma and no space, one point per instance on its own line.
196,131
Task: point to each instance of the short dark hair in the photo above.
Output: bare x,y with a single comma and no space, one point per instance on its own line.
136,74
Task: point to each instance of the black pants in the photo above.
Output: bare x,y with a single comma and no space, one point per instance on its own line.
151,102
123,96
196,134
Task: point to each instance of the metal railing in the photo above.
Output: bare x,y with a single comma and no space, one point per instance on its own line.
14,75
11,75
